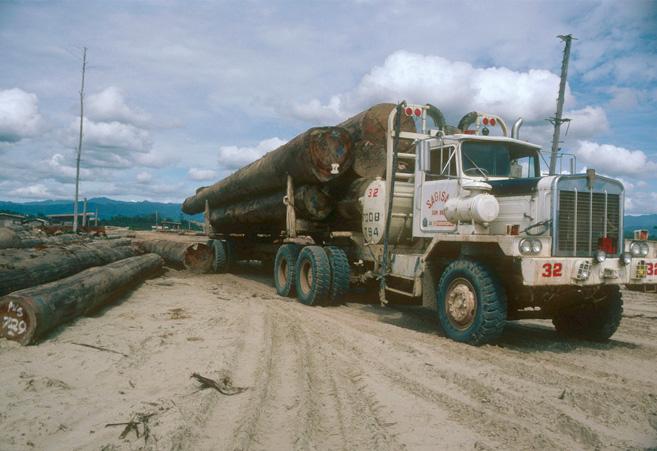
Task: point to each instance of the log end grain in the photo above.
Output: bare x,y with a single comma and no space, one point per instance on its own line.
198,258
18,320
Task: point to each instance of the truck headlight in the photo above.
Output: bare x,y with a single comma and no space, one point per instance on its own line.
600,256
626,259
644,248
635,249
525,246
530,246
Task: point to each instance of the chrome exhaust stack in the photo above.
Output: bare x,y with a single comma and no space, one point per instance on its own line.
515,130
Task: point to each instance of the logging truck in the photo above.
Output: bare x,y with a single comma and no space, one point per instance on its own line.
456,219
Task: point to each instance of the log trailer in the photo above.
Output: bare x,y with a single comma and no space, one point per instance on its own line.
450,218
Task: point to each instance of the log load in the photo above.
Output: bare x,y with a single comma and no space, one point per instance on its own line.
311,202
196,257
317,156
368,132
28,314
22,268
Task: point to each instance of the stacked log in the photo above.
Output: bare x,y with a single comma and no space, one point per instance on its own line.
311,202
196,257
28,314
251,199
368,132
317,156
22,268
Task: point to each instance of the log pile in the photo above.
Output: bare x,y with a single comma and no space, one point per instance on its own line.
330,168
27,315
21,268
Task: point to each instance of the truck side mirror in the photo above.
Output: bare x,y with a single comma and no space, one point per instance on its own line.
423,156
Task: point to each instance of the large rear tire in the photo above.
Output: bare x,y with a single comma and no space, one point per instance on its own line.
220,262
340,274
471,303
594,319
284,275
313,276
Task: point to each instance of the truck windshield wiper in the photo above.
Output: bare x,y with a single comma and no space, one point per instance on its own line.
481,171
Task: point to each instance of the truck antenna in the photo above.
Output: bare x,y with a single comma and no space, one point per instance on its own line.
557,120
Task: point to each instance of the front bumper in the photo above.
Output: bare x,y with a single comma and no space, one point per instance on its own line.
575,271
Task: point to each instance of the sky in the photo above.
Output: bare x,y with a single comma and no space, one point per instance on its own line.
179,94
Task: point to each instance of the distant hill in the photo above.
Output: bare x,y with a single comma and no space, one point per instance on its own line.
641,222
107,208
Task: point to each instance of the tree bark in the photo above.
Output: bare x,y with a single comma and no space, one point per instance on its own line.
21,239
308,158
310,202
368,132
22,268
28,314
196,257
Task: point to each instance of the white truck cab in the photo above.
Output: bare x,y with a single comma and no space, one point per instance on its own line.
479,234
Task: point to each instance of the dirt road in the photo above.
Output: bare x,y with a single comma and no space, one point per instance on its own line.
351,377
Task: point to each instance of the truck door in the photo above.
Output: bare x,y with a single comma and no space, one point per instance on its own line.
440,182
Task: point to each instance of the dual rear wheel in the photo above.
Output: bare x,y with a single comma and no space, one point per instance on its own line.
316,275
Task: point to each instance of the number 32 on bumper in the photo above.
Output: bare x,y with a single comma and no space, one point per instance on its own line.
552,270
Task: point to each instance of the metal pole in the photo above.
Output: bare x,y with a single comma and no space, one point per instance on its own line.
557,119
84,213
77,167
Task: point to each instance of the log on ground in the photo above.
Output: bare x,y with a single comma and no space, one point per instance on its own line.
196,257
23,268
311,202
22,239
28,314
317,156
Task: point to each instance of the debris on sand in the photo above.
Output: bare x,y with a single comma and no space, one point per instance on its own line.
225,386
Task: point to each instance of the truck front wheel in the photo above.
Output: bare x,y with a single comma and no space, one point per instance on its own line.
594,319
221,261
286,259
471,303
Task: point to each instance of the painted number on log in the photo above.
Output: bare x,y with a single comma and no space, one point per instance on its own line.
13,325
373,192
552,270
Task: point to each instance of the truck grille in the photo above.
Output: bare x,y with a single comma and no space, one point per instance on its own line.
584,218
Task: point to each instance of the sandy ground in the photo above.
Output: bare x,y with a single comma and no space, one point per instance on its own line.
351,377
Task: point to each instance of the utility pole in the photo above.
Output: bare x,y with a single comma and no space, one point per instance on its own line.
557,120
77,168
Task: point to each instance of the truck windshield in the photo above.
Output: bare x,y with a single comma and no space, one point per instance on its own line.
498,159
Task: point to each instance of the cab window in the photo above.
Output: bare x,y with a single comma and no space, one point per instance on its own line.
498,159
442,163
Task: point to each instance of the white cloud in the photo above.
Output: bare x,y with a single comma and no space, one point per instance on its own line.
144,177
109,105
19,115
37,191
201,174
585,123
614,160
453,86
233,157
115,135
64,172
